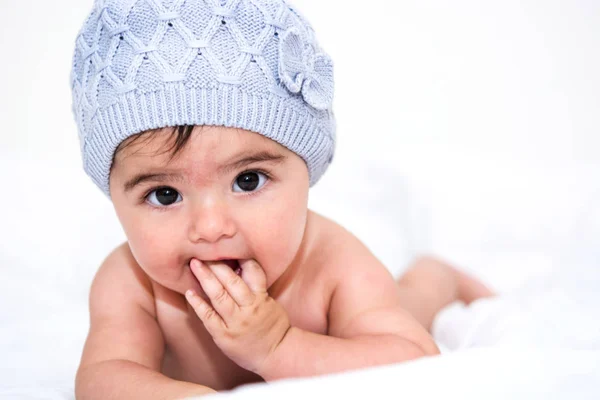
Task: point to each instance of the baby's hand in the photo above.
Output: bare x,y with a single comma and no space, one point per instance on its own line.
244,321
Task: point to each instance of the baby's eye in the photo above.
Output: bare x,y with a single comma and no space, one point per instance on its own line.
163,197
249,181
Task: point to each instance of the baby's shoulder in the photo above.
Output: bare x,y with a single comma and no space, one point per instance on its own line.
343,260
336,249
120,280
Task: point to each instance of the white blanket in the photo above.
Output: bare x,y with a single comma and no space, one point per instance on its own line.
478,373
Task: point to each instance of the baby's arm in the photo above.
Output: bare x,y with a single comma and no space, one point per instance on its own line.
124,348
367,324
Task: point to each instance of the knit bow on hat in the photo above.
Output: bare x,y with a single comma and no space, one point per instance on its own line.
304,71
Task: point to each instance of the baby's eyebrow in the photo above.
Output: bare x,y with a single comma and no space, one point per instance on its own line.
262,156
151,177
247,159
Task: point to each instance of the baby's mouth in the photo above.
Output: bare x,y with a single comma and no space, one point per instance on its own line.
234,265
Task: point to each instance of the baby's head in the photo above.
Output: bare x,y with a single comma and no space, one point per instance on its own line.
205,122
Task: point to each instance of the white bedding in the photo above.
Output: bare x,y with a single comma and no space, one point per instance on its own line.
477,373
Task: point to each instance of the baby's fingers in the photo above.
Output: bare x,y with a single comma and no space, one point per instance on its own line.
254,276
220,299
209,317
235,286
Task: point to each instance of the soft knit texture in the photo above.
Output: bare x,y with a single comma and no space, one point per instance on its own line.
251,64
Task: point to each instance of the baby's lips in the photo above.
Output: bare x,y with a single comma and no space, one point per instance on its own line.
232,263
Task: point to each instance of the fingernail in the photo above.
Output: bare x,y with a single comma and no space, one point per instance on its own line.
189,293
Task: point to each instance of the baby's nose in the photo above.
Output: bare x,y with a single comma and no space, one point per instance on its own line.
210,222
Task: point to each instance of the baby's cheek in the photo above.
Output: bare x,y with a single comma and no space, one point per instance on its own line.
282,242
156,256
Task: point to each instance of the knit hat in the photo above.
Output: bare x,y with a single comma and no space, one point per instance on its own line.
251,64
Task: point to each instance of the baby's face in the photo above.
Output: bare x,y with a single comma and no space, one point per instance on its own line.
228,194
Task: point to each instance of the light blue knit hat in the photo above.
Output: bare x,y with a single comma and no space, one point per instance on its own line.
251,64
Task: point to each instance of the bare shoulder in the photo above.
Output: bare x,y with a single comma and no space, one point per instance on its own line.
343,260
341,252
123,322
365,294
120,280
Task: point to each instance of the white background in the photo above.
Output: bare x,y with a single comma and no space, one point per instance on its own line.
468,129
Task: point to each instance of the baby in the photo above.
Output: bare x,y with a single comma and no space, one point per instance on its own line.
205,122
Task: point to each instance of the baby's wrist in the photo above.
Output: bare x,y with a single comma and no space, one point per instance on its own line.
274,366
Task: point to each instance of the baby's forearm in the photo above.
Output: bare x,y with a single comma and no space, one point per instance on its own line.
303,353
120,379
